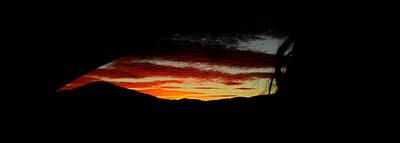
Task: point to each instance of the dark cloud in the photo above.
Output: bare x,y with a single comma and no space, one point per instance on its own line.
220,40
245,88
210,55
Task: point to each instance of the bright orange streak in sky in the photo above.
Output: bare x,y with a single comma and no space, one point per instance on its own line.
169,94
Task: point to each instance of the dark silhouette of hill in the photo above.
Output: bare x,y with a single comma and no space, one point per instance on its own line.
107,93
104,89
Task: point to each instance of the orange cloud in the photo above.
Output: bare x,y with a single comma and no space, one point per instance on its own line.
170,87
162,93
145,84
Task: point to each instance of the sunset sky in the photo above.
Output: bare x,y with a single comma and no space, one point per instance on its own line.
204,66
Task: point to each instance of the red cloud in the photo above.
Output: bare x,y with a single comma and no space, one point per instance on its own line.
170,87
139,70
145,84
232,83
126,67
113,73
206,88
79,82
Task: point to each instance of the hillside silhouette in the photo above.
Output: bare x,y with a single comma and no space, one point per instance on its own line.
104,91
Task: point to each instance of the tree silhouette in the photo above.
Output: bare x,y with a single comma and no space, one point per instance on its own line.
282,58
